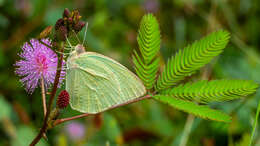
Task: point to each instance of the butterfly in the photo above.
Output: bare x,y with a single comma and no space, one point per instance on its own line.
96,82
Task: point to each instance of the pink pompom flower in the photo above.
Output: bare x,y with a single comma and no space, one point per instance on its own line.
37,61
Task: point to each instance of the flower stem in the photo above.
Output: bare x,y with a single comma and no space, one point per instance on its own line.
53,93
59,121
43,97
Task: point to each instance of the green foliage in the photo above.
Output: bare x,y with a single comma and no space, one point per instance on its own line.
193,108
111,128
244,141
192,58
24,136
5,111
146,64
185,63
210,91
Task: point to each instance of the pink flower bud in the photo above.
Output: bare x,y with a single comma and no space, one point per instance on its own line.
66,13
63,99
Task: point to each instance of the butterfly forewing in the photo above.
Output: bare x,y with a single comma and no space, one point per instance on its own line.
96,83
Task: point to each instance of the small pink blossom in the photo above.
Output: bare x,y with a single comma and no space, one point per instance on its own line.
37,61
75,131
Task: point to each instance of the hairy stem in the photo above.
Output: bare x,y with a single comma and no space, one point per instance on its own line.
59,121
43,97
53,93
187,130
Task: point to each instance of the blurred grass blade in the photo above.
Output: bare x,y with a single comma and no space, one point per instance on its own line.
255,124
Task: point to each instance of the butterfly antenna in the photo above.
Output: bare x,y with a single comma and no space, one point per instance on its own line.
85,33
69,44
61,52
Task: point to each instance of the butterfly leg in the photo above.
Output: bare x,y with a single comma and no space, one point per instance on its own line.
76,35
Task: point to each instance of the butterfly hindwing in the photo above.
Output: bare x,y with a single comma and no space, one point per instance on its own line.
96,83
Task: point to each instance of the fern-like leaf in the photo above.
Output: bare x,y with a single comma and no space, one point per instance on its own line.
147,63
202,111
210,91
191,58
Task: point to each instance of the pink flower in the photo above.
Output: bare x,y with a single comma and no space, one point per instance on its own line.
75,131
37,61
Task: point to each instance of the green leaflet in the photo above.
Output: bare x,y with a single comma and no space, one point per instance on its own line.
97,83
147,63
192,58
210,91
198,110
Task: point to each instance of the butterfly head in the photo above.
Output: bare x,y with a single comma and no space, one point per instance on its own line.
80,49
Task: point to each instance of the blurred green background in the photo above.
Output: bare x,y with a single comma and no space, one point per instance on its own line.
112,31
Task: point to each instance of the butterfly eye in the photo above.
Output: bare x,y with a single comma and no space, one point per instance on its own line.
80,49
